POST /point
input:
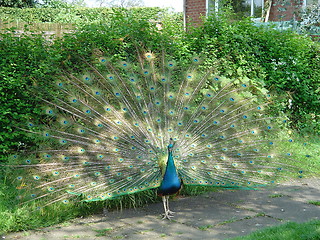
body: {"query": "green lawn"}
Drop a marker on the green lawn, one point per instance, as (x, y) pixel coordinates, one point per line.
(289, 231)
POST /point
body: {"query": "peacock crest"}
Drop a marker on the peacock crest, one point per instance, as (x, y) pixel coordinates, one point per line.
(116, 126)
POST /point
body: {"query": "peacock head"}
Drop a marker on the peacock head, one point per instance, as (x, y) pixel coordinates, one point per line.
(171, 145)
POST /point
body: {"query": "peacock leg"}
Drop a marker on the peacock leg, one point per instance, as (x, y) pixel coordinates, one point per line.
(166, 215)
(168, 210)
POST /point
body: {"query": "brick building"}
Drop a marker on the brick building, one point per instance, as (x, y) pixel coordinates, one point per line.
(272, 10)
(283, 10)
(194, 10)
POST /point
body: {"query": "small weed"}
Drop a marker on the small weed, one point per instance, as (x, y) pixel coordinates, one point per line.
(317, 203)
(275, 195)
(72, 237)
(163, 235)
(146, 230)
(205, 227)
(26, 234)
(66, 224)
(118, 237)
(228, 221)
(102, 232)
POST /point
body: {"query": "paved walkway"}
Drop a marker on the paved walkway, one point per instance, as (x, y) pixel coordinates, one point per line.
(215, 215)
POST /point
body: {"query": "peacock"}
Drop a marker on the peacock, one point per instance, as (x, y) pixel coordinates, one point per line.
(154, 122)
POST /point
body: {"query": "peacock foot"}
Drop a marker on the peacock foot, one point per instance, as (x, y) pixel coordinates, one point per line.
(170, 212)
(168, 215)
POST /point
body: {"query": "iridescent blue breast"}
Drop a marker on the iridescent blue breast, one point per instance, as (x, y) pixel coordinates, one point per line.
(171, 183)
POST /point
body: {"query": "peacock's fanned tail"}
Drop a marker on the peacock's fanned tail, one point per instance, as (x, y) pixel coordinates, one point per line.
(112, 123)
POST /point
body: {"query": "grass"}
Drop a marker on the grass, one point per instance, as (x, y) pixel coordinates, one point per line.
(205, 227)
(118, 237)
(289, 231)
(317, 203)
(103, 232)
(306, 151)
(15, 217)
(275, 195)
(22, 218)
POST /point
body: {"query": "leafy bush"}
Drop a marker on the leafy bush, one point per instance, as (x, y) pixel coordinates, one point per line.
(24, 61)
(18, 3)
(73, 15)
(29, 62)
(287, 63)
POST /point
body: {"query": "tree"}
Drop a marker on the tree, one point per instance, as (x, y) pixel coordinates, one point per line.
(121, 3)
(61, 3)
(18, 3)
(77, 3)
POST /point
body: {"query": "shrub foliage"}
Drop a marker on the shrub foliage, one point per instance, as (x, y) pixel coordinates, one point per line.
(288, 64)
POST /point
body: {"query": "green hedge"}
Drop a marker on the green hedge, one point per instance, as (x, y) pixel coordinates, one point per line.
(73, 15)
(286, 62)
(24, 62)
(29, 63)
(236, 49)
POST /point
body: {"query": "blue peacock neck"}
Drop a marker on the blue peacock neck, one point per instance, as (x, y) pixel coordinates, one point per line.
(171, 182)
(170, 161)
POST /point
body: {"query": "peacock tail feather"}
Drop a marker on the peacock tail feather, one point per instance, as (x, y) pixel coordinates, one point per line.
(111, 124)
